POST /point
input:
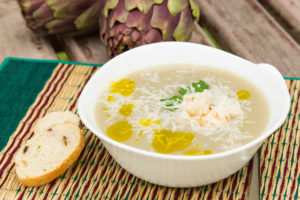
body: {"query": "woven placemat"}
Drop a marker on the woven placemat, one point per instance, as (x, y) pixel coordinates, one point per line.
(95, 175)
(280, 155)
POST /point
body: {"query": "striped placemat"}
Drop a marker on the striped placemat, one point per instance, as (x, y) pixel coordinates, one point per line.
(95, 175)
(280, 155)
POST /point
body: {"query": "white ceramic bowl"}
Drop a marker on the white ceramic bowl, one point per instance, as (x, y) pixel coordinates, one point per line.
(184, 171)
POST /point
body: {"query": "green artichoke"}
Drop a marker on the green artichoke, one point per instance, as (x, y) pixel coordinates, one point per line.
(73, 17)
(125, 24)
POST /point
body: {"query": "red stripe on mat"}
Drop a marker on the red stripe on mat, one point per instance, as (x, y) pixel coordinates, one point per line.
(126, 185)
(154, 192)
(177, 193)
(92, 72)
(191, 193)
(247, 179)
(263, 163)
(122, 173)
(7, 175)
(165, 193)
(33, 197)
(69, 74)
(21, 196)
(211, 191)
(144, 192)
(223, 187)
(234, 185)
(134, 189)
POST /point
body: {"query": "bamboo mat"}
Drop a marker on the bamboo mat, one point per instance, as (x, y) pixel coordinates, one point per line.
(95, 175)
(280, 155)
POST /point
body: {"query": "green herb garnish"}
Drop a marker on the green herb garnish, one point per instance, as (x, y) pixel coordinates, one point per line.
(199, 86)
(183, 91)
(172, 101)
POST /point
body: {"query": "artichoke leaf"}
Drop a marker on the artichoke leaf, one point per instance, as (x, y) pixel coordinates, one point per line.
(195, 9)
(110, 4)
(154, 35)
(60, 26)
(164, 21)
(184, 29)
(142, 5)
(176, 6)
(68, 8)
(89, 18)
(119, 14)
(139, 20)
(103, 24)
(30, 6)
(41, 15)
(72, 17)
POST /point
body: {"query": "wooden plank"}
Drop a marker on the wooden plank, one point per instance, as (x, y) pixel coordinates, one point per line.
(287, 13)
(246, 29)
(198, 36)
(16, 39)
(90, 49)
(85, 49)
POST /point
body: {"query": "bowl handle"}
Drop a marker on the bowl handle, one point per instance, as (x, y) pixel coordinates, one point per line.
(270, 68)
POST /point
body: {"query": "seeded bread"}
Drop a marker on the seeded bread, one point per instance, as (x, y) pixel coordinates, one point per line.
(49, 153)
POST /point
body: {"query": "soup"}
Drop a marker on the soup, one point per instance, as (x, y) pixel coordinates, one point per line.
(182, 110)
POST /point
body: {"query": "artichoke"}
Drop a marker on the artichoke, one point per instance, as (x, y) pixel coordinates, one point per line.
(125, 24)
(73, 17)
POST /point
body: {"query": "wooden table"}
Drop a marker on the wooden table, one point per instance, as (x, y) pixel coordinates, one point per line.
(262, 31)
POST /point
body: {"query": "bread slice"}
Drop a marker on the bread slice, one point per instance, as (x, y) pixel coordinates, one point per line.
(56, 118)
(49, 153)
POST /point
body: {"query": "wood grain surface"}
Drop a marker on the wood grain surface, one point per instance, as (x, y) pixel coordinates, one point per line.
(287, 13)
(246, 29)
(198, 36)
(85, 49)
(16, 39)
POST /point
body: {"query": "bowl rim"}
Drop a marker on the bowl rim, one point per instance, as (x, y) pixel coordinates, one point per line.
(239, 149)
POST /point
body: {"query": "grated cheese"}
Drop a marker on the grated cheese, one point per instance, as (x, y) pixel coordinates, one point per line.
(147, 105)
